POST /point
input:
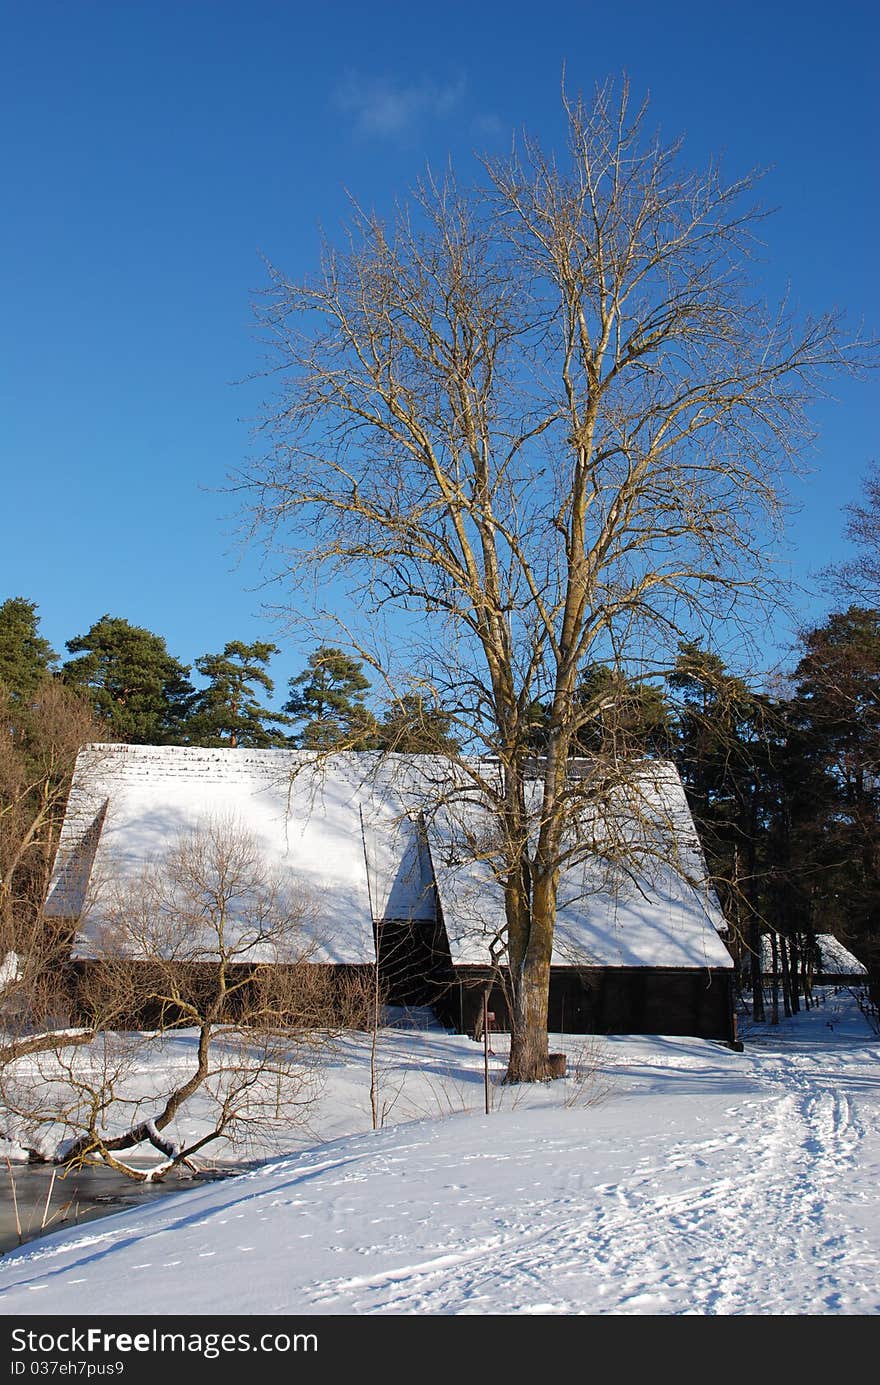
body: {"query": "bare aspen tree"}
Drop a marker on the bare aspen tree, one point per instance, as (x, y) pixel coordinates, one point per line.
(859, 577)
(204, 939)
(538, 423)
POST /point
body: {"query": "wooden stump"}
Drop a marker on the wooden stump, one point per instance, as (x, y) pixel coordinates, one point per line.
(556, 1064)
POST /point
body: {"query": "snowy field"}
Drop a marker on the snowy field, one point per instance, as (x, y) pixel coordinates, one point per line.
(676, 1177)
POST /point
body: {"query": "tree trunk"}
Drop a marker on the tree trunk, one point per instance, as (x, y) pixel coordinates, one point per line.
(808, 966)
(529, 1060)
(757, 979)
(530, 984)
(786, 978)
(795, 984)
(774, 980)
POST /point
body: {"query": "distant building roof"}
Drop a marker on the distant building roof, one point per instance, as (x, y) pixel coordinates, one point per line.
(387, 837)
(836, 959)
(833, 960)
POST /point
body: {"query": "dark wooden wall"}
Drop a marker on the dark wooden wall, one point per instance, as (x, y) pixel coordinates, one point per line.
(613, 1000)
(415, 966)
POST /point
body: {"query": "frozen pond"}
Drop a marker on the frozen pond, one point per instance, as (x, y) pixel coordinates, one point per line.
(76, 1197)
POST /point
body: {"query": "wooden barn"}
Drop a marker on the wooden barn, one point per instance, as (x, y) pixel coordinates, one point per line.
(398, 861)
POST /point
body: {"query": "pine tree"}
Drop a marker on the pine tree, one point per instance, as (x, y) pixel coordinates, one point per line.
(835, 798)
(329, 698)
(227, 712)
(25, 657)
(621, 716)
(722, 742)
(413, 725)
(140, 690)
(617, 716)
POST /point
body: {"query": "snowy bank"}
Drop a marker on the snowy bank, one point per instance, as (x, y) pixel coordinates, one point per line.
(702, 1181)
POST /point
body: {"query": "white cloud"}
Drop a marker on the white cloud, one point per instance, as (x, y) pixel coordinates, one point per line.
(489, 127)
(385, 109)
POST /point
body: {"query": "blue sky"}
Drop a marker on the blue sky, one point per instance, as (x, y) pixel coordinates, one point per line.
(152, 152)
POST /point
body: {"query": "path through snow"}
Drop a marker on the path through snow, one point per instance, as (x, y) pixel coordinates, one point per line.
(706, 1182)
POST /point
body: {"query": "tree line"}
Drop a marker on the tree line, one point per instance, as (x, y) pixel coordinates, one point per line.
(141, 694)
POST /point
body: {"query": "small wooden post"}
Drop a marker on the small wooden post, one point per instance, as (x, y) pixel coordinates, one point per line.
(486, 1049)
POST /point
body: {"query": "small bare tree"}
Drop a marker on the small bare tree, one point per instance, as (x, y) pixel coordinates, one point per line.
(543, 422)
(205, 1019)
(859, 577)
(40, 738)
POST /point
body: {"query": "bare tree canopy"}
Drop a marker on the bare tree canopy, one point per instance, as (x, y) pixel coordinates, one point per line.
(859, 576)
(541, 422)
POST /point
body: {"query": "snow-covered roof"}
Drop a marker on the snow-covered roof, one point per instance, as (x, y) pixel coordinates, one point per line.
(836, 959)
(653, 909)
(388, 837)
(307, 827)
(833, 960)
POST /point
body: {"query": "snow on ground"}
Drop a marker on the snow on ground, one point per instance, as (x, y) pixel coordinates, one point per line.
(678, 1178)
